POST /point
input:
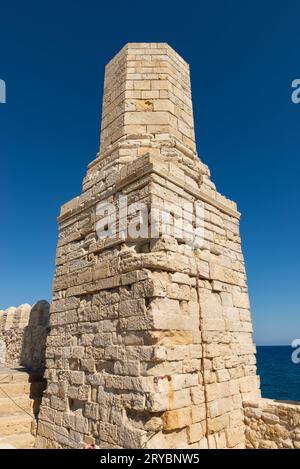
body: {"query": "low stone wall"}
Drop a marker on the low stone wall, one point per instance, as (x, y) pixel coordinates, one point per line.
(23, 333)
(272, 424)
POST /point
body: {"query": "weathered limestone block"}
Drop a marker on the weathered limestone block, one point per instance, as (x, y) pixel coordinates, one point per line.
(151, 339)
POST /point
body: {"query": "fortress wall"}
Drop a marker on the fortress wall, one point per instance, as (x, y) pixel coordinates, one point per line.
(13, 322)
(271, 424)
(23, 332)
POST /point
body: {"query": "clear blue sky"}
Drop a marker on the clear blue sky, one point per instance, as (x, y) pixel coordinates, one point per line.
(243, 55)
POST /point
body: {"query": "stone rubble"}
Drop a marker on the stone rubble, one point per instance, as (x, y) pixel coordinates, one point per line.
(272, 424)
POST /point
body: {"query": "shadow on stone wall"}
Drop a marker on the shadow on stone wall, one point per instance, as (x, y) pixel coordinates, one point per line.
(23, 336)
(32, 355)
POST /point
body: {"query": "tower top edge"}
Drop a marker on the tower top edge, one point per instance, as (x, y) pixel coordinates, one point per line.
(148, 48)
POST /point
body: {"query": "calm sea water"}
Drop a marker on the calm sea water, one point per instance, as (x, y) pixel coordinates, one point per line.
(280, 377)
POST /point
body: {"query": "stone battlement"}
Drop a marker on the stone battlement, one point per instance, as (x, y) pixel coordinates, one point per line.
(14, 317)
(23, 332)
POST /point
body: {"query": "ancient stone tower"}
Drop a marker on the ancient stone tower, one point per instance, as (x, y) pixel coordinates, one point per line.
(151, 335)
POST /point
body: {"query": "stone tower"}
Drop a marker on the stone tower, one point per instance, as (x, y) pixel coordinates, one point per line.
(151, 335)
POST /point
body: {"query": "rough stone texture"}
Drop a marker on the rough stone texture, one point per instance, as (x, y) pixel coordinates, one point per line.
(272, 424)
(23, 332)
(2, 352)
(151, 338)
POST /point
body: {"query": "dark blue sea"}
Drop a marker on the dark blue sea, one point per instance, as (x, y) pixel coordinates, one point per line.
(280, 377)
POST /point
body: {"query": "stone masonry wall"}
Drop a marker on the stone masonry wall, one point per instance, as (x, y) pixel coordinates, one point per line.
(23, 332)
(12, 324)
(272, 424)
(151, 337)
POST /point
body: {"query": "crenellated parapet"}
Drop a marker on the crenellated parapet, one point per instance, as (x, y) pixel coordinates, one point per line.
(23, 332)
